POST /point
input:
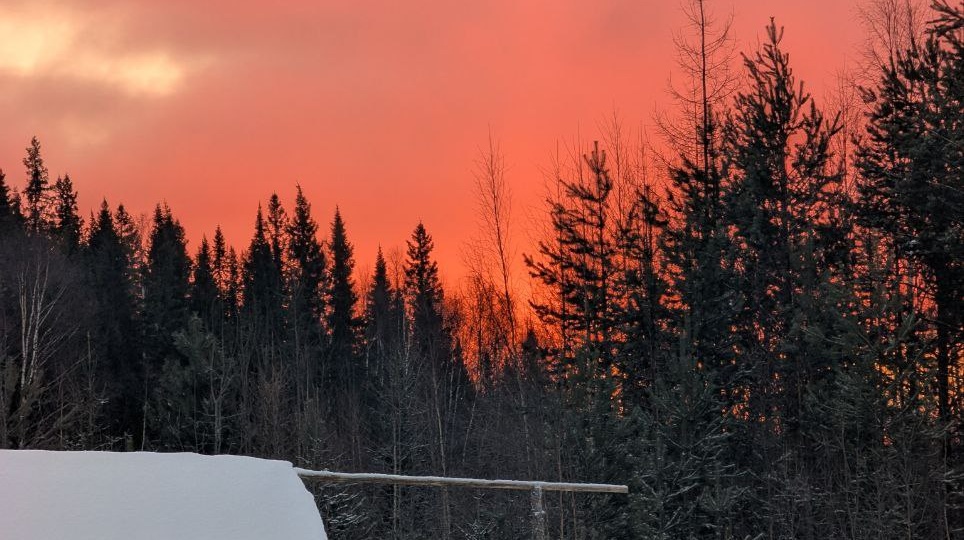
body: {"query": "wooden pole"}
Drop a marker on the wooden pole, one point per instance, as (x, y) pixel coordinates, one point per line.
(538, 515)
(535, 489)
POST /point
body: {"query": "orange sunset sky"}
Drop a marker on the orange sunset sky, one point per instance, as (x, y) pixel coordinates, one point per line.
(379, 106)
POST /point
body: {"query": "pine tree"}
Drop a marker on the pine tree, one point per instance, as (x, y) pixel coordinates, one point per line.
(381, 323)
(219, 253)
(262, 287)
(640, 317)
(130, 235)
(425, 298)
(911, 188)
(68, 223)
(578, 266)
(306, 309)
(389, 385)
(197, 396)
(277, 224)
(221, 256)
(781, 204)
(7, 217)
(790, 249)
(690, 447)
(117, 337)
(445, 383)
(234, 284)
(343, 323)
(37, 193)
(912, 173)
(204, 289)
(166, 284)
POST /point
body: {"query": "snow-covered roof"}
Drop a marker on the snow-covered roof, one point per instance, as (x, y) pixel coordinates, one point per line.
(142, 495)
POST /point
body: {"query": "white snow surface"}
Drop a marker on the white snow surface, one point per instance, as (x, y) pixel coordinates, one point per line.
(148, 496)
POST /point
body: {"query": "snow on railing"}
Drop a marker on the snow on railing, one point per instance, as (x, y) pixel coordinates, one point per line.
(535, 487)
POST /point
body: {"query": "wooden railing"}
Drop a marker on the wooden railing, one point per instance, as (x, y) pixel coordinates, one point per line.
(536, 488)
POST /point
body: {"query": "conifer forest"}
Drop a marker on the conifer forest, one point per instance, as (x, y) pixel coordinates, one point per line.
(753, 318)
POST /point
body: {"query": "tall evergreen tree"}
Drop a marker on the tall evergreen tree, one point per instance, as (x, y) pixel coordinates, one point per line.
(578, 267)
(10, 217)
(911, 188)
(343, 323)
(277, 225)
(445, 383)
(602, 302)
(382, 323)
(782, 203)
(204, 289)
(306, 309)
(308, 261)
(219, 252)
(262, 286)
(131, 238)
(37, 193)
(221, 268)
(6, 207)
(689, 421)
(790, 250)
(425, 299)
(166, 284)
(68, 223)
(117, 338)
(234, 283)
(389, 384)
(912, 181)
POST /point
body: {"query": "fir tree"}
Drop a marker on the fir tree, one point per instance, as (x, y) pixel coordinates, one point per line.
(781, 203)
(381, 323)
(262, 286)
(445, 383)
(790, 249)
(166, 284)
(234, 284)
(912, 165)
(640, 316)
(130, 236)
(699, 251)
(912, 195)
(306, 310)
(343, 324)
(389, 388)
(691, 432)
(204, 289)
(68, 223)
(307, 260)
(116, 333)
(578, 268)
(277, 224)
(6, 208)
(425, 297)
(10, 217)
(221, 272)
(219, 252)
(37, 193)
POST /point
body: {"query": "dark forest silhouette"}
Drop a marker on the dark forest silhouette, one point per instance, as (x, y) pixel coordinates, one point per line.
(767, 346)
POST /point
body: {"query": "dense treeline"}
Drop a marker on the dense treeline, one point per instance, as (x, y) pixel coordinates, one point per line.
(767, 346)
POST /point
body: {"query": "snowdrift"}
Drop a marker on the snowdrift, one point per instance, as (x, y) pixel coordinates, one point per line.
(143, 495)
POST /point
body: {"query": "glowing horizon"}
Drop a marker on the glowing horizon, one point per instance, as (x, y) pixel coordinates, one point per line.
(376, 107)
